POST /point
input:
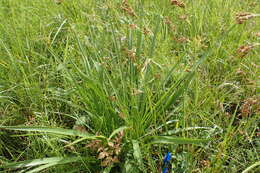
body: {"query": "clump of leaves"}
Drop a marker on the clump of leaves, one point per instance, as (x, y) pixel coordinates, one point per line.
(109, 151)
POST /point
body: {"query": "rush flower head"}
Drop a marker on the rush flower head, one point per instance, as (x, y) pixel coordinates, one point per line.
(244, 16)
(245, 49)
(127, 8)
(178, 3)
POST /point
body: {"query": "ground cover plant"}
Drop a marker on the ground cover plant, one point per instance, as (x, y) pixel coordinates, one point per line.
(129, 86)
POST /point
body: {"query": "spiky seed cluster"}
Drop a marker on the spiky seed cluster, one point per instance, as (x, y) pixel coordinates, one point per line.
(127, 8)
(250, 106)
(178, 3)
(169, 23)
(244, 50)
(242, 17)
(130, 54)
(108, 152)
(146, 31)
(182, 39)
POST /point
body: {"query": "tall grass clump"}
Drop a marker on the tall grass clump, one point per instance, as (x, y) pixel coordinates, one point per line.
(112, 86)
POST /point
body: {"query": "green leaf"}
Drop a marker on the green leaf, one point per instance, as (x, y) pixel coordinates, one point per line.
(117, 131)
(76, 141)
(251, 167)
(176, 140)
(108, 169)
(59, 131)
(42, 167)
(37, 162)
(137, 153)
(129, 168)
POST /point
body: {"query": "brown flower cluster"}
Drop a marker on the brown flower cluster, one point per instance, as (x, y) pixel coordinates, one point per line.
(242, 17)
(108, 152)
(244, 50)
(130, 54)
(136, 92)
(181, 39)
(205, 163)
(183, 17)
(168, 22)
(178, 3)
(127, 8)
(250, 106)
(146, 31)
(133, 26)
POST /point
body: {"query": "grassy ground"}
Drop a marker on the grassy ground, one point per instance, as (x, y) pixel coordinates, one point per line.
(112, 86)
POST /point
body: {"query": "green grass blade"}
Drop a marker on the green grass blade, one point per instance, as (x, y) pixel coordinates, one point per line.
(37, 162)
(76, 141)
(41, 163)
(156, 31)
(42, 167)
(108, 169)
(58, 31)
(177, 140)
(59, 131)
(117, 131)
(62, 161)
(137, 153)
(251, 167)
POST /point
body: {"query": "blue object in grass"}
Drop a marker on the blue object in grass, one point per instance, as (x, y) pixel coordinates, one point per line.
(165, 170)
(167, 158)
(166, 162)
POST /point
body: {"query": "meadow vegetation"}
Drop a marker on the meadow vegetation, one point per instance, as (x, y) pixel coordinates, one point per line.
(113, 85)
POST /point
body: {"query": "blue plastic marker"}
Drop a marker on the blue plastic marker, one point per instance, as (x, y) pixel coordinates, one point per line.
(166, 162)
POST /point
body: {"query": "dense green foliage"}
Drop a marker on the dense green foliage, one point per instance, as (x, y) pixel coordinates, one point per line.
(113, 85)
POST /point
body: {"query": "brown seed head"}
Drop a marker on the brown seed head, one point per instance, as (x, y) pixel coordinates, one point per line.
(146, 31)
(244, 50)
(132, 26)
(183, 17)
(242, 17)
(127, 8)
(178, 3)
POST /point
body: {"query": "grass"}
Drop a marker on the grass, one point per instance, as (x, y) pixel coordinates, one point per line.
(112, 86)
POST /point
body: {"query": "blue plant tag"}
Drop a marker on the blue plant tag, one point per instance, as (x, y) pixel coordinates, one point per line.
(166, 162)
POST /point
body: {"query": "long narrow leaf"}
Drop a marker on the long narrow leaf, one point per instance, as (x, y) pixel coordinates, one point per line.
(137, 153)
(59, 131)
(117, 131)
(42, 167)
(251, 167)
(176, 140)
(37, 162)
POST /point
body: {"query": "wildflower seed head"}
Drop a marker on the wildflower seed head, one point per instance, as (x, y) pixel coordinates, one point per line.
(178, 3)
(243, 17)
